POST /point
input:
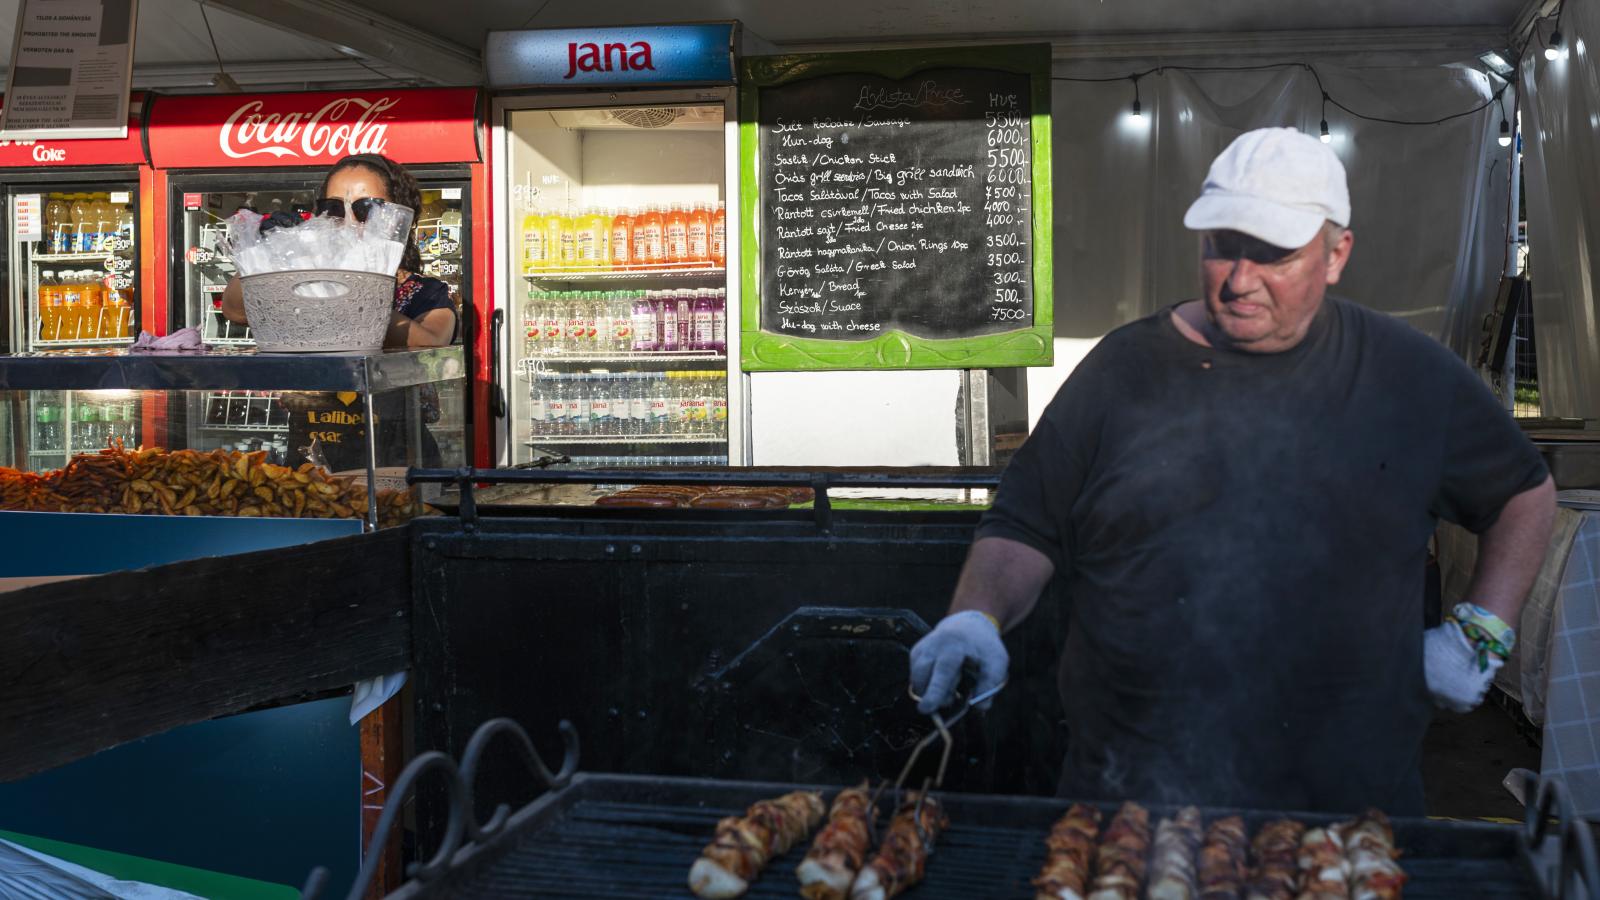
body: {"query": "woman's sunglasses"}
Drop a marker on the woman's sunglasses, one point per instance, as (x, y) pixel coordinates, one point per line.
(333, 206)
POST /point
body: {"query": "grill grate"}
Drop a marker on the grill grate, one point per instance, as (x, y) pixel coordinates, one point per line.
(604, 849)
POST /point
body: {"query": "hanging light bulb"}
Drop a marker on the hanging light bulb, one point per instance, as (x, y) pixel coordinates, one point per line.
(1552, 50)
(1505, 133)
(1326, 137)
(1138, 113)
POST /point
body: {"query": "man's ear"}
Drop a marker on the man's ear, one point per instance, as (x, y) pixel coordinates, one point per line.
(1339, 255)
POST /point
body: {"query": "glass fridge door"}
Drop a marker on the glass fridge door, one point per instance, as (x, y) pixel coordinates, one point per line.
(617, 308)
(252, 420)
(74, 265)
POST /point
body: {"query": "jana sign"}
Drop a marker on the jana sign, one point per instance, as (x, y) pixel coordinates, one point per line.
(314, 128)
(577, 57)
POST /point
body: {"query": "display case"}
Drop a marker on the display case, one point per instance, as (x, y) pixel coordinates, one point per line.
(324, 435)
(617, 259)
(74, 264)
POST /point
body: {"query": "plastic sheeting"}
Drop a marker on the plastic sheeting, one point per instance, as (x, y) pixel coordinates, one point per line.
(1561, 125)
(1429, 202)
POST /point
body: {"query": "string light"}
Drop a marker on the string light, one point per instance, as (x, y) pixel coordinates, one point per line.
(1326, 137)
(1137, 113)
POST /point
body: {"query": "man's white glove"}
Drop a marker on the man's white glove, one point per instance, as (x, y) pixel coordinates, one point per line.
(1457, 679)
(937, 659)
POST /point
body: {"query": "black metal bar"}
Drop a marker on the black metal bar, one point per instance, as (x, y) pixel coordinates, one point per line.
(819, 481)
(467, 505)
(821, 505)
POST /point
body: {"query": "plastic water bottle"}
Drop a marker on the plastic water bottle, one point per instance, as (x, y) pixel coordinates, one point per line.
(602, 421)
(533, 324)
(660, 404)
(704, 312)
(644, 324)
(539, 409)
(667, 323)
(579, 405)
(638, 404)
(620, 307)
(719, 321)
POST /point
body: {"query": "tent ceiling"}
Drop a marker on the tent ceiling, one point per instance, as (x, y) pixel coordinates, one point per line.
(854, 20)
(293, 47)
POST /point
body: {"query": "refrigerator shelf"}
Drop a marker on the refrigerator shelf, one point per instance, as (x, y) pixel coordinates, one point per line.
(96, 256)
(532, 362)
(280, 427)
(605, 276)
(544, 440)
(83, 342)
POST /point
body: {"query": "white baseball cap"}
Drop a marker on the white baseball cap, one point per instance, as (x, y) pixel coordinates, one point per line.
(1275, 184)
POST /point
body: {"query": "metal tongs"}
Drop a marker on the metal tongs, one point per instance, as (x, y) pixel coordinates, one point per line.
(943, 720)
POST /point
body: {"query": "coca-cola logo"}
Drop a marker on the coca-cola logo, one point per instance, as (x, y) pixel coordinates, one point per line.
(330, 131)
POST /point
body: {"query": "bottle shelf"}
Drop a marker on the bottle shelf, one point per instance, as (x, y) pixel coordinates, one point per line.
(563, 439)
(83, 342)
(532, 362)
(626, 276)
(92, 256)
(280, 427)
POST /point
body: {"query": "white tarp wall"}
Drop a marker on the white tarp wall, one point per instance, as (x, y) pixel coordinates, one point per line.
(1429, 212)
(1429, 201)
(1561, 121)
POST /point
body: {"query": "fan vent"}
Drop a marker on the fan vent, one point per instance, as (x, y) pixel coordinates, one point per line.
(654, 117)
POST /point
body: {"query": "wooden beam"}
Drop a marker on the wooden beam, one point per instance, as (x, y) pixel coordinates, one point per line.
(88, 664)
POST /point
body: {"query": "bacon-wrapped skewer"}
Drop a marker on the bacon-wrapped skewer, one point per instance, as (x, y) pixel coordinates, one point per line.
(743, 845)
(1369, 848)
(1172, 863)
(903, 857)
(1120, 862)
(1276, 875)
(1069, 854)
(1223, 854)
(1222, 859)
(840, 848)
(1324, 871)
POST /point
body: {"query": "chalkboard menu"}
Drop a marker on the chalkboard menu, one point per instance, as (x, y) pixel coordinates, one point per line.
(893, 210)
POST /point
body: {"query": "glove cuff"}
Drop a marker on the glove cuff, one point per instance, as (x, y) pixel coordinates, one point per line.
(986, 617)
(1485, 631)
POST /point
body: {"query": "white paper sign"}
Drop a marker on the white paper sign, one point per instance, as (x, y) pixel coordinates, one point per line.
(28, 217)
(71, 64)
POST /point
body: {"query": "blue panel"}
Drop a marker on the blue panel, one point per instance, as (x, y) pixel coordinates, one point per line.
(90, 543)
(264, 795)
(585, 57)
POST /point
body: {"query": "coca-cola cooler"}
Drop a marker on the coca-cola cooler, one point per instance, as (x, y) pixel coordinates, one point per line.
(72, 256)
(270, 152)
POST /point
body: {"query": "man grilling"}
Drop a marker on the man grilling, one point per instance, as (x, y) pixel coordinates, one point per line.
(1237, 494)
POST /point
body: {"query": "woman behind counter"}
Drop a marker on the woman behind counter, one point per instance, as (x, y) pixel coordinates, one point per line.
(424, 316)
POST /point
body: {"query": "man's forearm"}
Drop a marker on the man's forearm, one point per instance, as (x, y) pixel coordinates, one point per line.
(1003, 578)
(1511, 551)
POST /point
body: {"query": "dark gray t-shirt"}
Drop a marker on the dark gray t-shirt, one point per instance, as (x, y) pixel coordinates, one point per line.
(1242, 538)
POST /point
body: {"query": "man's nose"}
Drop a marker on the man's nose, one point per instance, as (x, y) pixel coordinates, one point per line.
(1243, 277)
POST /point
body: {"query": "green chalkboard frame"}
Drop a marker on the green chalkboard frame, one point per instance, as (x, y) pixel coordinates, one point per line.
(764, 351)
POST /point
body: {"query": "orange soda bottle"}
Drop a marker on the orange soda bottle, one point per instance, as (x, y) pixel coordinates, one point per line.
(719, 236)
(49, 306)
(699, 235)
(655, 237)
(69, 310)
(91, 315)
(677, 222)
(621, 239)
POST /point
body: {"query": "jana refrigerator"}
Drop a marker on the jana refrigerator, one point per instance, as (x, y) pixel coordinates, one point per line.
(72, 258)
(612, 251)
(270, 153)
